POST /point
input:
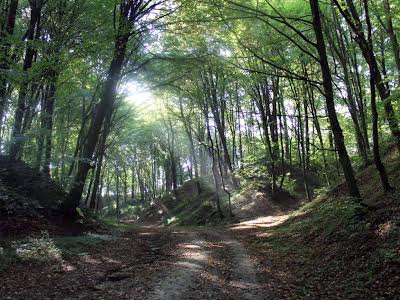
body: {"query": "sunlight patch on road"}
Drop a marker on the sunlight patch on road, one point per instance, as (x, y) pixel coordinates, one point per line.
(263, 222)
(146, 233)
(244, 285)
(66, 267)
(190, 246)
(177, 281)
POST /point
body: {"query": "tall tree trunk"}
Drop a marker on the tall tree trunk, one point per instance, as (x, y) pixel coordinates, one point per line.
(330, 103)
(125, 184)
(5, 49)
(172, 157)
(99, 198)
(214, 167)
(100, 157)
(218, 110)
(360, 100)
(375, 134)
(341, 50)
(33, 33)
(49, 110)
(41, 134)
(89, 189)
(262, 101)
(188, 130)
(94, 195)
(118, 209)
(319, 133)
(105, 107)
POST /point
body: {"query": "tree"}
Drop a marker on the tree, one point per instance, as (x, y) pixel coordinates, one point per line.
(130, 13)
(330, 104)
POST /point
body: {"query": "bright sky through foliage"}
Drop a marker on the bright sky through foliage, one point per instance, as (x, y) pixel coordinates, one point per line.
(139, 96)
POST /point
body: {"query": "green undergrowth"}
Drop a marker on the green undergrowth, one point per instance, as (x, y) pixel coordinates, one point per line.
(116, 227)
(333, 238)
(128, 211)
(332, 217)
(191, 211)
(325, 219)
(46, 249)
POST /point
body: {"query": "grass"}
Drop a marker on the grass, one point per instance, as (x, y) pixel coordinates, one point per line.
(116, 227)
(47, 249)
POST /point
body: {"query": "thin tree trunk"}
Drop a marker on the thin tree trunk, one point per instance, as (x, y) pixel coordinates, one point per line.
(392, 35)
(375, 134)
(49, 109)
(5, 49)
(94, 196)
(33, 33)
(118, 209)
(353, 19)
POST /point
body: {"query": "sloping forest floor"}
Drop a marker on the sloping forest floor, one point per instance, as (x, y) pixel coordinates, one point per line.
(326, 249)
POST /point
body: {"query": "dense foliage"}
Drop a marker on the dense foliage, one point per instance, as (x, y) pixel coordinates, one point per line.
(234, 84)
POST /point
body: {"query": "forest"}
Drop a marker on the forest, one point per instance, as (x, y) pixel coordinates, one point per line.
(199, 149)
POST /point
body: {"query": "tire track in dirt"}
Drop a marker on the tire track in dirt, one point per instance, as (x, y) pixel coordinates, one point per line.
(173, 284)
(243, 270)
(213, 265)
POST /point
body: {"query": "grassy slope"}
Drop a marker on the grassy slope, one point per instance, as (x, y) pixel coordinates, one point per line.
(185, 206)
(45, 247)
(327, 250)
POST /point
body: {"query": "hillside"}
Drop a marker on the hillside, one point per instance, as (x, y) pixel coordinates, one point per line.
(185, 206)
(29, 200)
(332, 247)
(30, 203)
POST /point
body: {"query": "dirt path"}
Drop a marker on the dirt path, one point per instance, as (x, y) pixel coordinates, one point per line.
(213, 265)
(147, 263)
(175, 282)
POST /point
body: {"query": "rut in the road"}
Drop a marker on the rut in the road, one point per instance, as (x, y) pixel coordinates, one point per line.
(244, 278)
(183, 281)
(174, 284)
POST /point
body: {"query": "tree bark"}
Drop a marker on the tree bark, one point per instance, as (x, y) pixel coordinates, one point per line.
(375, 135)
(49, 110)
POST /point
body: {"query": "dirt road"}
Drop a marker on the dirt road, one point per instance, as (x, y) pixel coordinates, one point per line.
(146, 263)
